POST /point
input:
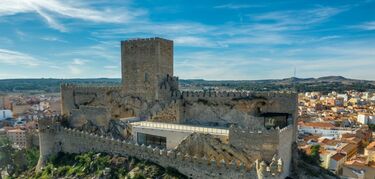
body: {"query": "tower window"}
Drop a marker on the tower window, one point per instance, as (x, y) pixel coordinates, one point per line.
(146, 77)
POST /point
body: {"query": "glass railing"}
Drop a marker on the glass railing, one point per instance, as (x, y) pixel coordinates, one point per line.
(182, 127)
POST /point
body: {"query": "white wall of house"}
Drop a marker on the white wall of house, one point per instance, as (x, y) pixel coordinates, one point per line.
(5, 114)
(335, 166)
(324, 132)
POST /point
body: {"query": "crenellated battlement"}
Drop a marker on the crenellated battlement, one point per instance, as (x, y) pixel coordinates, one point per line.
(169, 83)
(234, 95)
(135, 40)
(196, 167)
(90, 87)
(49, 122)
(272, 170)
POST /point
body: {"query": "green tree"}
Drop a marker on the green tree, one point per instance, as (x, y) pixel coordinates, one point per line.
(315, 153)
(6, 152)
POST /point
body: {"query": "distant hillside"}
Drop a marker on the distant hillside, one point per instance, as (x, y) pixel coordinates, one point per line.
(49, 84)
(323, 84)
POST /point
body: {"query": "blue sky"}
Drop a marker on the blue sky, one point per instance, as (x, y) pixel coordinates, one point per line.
(215, 40)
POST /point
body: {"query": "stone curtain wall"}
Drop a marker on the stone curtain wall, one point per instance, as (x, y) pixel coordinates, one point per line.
(187, 107)
(54, 138)
(170, 113)
(259, 143)
(226, 108)
(285, 148)
(73, 96)
(73, 141)
(276, 100)
(98, 116)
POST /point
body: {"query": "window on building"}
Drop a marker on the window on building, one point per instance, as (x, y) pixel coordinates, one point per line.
(146, 77)
(273, 120)
(153, 140)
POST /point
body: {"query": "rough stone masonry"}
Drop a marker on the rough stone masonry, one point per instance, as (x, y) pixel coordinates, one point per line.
(262, 125)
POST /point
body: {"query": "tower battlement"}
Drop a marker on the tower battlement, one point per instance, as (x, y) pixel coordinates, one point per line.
(132, 40)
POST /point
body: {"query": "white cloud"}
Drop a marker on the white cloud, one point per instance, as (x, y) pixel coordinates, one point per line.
(293, 19)
(75, 70)
(193, 41)
(17, 58)
(77, 61)
(51, 10)
(355, 59)
(101, 51)
(367, 26)
(156, 29)
(267, 29)
(237, 6)
(53, 39)
(111, 67)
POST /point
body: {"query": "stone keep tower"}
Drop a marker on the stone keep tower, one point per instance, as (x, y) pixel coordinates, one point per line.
(145, 64)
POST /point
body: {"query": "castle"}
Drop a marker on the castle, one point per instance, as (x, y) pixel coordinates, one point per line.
(201, 134)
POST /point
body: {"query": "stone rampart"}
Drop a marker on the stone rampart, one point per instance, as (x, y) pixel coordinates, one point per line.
(259, 142)
(96, 115)
(218, 95)
(285, 148)
(55, 138)
(74, 141)
(72, 96)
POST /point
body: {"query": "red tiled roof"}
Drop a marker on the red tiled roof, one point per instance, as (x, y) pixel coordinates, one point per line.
(319, 124)
(330, 142)
(371, 146)
(348, 148)
(338, 156)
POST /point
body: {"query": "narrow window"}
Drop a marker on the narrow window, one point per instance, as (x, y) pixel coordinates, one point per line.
(146, 77)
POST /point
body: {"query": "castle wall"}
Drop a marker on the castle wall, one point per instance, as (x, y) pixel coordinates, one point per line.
(261, 143)
(48, 141)
(285, 149)
(226, 108)
(74, 96)
(73, 141)
(275, 101)
(171, 113)
(98, 116)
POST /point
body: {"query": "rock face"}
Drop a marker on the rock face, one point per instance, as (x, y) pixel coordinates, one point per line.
(219, 115)
(201, 145)
(116, 129)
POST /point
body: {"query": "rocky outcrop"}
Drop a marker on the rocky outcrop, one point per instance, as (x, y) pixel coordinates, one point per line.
(206, 145)
(116, 129)
(219, 115)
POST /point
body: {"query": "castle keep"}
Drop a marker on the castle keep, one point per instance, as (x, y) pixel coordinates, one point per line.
(201, 134)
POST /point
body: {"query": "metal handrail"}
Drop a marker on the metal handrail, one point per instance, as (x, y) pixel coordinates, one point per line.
(182, 127)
